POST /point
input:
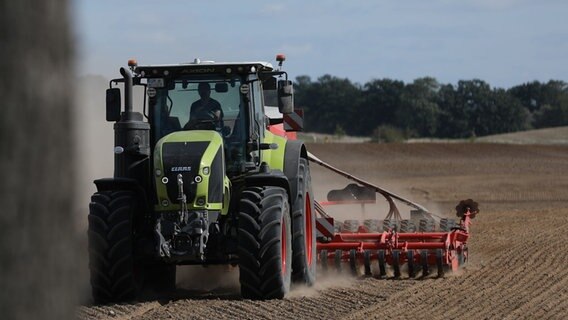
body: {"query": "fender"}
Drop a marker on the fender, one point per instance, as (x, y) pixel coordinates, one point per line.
(273, 178)
(295, 149)
(117, 184)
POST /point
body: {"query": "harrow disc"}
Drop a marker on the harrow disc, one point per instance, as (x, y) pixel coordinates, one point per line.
(410, 263)
(465, 206)
(353, 262)
(367, 263)
(382, 263)
(396, 263)
(440, 262)
(424, 262)
(338, 255)
(323, 260)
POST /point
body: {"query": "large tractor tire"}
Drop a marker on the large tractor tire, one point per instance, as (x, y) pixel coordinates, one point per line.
(111, 258)
(265, 246)
(304, 229)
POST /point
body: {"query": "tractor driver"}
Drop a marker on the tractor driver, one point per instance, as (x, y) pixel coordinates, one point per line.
(205, 108)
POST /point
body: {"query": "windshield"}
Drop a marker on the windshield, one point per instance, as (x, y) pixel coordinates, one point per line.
(197, 103)
(203, 103)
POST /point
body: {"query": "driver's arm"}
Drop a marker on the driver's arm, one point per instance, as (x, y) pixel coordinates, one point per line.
(217, 111)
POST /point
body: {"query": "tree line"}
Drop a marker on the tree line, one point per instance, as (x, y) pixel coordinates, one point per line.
(391, 109)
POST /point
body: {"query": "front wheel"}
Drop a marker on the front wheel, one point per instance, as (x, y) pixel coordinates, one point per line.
(111, 258)
(265, 249)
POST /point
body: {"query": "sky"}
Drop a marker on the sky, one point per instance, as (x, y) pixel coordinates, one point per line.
(503, 42)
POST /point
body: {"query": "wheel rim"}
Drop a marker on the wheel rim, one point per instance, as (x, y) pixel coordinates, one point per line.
(283, 247)
(309, 233)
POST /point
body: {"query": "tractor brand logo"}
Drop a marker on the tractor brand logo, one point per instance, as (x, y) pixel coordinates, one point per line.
(181, 169)
(199, 70)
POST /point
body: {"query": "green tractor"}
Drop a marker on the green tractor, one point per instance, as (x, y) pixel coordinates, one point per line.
(200, 179)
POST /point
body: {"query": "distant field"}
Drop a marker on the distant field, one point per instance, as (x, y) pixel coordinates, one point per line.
(548, 136)
(557, 135)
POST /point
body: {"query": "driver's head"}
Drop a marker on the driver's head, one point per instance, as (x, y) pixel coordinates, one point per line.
(204, 90)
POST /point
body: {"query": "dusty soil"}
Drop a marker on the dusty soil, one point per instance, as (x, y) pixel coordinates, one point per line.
(517, 267)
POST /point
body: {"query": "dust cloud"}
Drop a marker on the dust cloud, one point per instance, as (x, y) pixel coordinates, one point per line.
(324, 281)
(218, 279)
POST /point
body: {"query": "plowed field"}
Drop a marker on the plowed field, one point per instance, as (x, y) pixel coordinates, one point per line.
(518, 259)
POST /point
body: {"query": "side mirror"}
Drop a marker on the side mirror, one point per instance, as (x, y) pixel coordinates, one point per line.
(113, 104)
(285, 97)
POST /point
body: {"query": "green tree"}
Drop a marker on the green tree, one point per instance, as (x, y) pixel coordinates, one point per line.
(552, 115)
(474, 109)
(330, 101)
(380, 100)
(418, 112)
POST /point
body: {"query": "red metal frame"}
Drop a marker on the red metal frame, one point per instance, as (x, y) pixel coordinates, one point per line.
(451, 243)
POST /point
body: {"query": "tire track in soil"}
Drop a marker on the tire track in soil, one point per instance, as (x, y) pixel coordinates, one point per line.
(325, 304)
(115, 311)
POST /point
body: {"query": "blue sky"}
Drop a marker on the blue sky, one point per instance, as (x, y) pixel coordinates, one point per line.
(504, 42)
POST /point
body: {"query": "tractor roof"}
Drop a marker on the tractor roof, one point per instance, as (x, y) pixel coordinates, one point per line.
(203, 67)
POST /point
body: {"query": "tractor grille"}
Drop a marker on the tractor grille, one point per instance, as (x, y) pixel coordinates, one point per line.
(182, 158)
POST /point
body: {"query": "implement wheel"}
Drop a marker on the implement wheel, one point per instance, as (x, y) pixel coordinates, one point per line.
(264, 243)
(111, 256)
(304, 229)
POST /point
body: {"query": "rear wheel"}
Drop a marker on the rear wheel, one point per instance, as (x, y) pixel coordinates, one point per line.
(265, 249)
(111, 258)
(304, 228)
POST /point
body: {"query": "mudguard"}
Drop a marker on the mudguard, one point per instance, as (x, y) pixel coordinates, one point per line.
(295, 149)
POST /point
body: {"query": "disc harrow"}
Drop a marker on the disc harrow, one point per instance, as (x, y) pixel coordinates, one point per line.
(423, 245)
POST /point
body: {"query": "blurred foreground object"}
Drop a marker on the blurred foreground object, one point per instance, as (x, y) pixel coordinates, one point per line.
(37, 248)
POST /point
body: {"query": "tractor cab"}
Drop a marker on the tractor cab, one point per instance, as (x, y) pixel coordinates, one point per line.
(204, 95)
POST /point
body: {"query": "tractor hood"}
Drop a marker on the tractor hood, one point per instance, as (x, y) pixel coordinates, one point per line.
(197, 157)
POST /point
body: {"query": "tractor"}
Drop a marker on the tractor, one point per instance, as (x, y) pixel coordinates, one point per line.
(199, 179)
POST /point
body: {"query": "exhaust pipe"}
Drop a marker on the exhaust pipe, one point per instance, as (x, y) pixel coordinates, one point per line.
(131, 137)
(127, 75)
